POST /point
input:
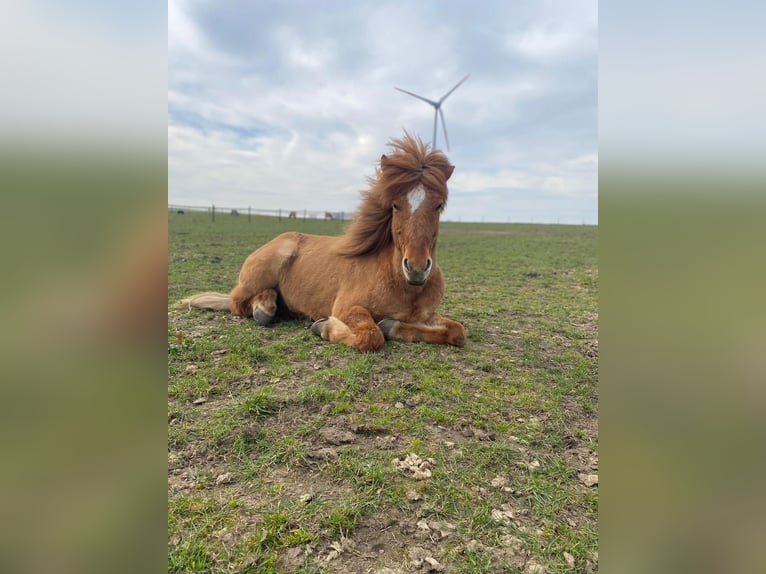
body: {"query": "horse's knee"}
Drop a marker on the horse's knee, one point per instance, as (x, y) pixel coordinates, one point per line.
(369, 340)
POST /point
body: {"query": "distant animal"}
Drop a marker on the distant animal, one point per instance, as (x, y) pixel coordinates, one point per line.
(378, 281)
(234, 212)
(328, 215)
(180, 212)
(292, 215)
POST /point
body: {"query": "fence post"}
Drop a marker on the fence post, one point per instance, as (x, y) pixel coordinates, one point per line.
(214, 213)
(248, 214)
(280, 214)
(304, 215)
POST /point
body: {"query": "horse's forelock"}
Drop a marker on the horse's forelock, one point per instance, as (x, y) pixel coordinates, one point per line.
(412, 163)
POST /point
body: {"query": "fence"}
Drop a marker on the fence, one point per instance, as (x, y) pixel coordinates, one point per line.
(218, 210)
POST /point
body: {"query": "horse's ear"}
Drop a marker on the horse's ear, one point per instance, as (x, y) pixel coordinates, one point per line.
(383, 160)
(449, 170)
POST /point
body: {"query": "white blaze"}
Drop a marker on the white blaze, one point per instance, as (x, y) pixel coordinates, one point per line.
(416, 197)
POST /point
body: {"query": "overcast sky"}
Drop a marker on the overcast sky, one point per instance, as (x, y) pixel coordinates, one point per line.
(287, 104)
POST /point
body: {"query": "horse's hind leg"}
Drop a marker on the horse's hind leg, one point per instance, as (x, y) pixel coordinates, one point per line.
(262, 305)
(354, 327)
(259, 277)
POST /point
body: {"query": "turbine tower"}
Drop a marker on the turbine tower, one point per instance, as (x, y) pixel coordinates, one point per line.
(437, 109)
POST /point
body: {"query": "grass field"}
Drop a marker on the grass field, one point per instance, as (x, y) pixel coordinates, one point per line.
(290, 454)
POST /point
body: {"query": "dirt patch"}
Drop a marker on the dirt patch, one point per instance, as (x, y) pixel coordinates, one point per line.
(336, 436)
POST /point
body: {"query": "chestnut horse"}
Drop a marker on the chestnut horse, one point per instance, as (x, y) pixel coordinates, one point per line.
(378, 281)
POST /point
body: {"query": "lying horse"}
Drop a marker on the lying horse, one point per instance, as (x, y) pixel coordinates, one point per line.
(378, 281)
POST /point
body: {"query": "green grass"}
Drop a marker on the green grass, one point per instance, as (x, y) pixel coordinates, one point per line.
(252, 401)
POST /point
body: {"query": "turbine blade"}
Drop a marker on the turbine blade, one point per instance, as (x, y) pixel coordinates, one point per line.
(434, 104)
(444, 97)
(436, 113)
(444, 127)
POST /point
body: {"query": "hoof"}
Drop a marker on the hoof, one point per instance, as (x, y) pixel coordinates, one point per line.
(386, 325)
(261, 317)
(317, 327)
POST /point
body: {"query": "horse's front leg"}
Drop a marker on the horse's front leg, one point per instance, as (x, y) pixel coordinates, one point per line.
(437, 329)
(354, 327)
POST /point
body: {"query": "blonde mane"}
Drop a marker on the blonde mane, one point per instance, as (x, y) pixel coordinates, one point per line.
(411, 163)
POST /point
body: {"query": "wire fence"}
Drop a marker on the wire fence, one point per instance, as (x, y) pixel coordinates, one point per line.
(222, 211)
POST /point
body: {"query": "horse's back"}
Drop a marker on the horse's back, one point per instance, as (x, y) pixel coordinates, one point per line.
(288, 246)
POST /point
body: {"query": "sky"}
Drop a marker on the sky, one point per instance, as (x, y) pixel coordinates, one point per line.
(289, 105)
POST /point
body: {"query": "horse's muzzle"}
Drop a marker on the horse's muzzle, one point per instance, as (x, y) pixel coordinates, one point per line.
(414, 275)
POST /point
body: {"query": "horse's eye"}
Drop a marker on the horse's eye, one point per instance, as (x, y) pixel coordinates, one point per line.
(396, 207)
(440, 207)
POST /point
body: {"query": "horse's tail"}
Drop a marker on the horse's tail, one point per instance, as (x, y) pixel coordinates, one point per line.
(207, 300)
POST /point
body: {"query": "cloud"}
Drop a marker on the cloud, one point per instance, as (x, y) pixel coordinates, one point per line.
(542, 43)
(570, 178)
(289, 105)
(266, 171)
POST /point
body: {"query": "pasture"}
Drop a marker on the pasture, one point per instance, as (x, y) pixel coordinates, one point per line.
(287, 453)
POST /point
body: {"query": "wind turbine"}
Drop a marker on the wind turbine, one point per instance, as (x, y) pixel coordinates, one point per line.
(437, 109)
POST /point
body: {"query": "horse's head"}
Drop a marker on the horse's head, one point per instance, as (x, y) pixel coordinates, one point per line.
(402, 208)
(415, 229)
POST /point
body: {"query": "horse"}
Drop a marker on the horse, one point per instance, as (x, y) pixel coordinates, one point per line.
(292, 215)
(234, 212)
(378, 281)
(328, 216)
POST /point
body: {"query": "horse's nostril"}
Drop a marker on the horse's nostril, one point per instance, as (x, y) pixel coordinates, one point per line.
(428, 264)
(406, 264)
